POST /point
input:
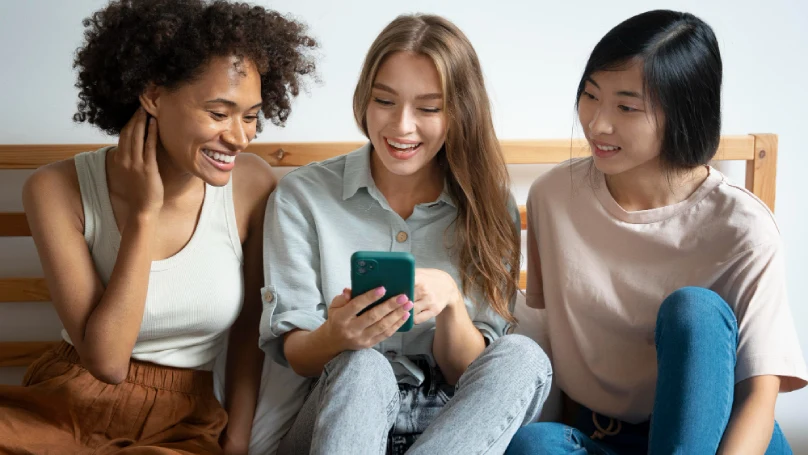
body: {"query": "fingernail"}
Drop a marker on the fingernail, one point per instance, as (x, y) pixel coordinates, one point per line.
(380, 291)
(402, 299)
(406, 316)
(408, 306)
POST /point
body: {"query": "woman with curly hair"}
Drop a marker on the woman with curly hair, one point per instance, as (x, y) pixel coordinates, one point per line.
(152, 248)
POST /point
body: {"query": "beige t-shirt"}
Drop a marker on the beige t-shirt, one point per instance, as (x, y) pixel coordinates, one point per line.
(604, 273)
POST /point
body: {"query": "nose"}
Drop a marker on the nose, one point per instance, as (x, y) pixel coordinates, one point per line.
(236, 135)
(600, 123)
(405, 120)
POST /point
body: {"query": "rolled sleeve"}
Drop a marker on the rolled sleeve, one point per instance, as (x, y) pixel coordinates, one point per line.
(291, 294)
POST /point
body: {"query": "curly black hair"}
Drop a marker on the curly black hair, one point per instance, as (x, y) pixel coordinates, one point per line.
(132, 43)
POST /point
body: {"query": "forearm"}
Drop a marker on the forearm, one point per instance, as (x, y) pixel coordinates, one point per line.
(245, 362)
(752, 420)
(113, 325)
(750, 427)
(457, 341)
(309, 352)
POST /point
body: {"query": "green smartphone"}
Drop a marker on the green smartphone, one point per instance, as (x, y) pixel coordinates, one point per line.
(393, 270)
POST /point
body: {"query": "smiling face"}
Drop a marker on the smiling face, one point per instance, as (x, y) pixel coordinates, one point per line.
(206, 123)
(405, 118)
(622, 130)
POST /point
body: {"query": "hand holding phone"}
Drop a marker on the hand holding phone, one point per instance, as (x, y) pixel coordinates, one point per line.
(395, 271)
(351, 332)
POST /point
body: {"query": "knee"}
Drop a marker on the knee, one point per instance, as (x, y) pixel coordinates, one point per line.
(692, 310)
(543, 438)
(362, 367)
(520, 354)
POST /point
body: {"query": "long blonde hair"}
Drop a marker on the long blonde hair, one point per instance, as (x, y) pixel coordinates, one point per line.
(486, 240)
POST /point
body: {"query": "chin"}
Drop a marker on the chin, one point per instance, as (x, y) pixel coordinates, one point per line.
(610, 166)
(217, 180)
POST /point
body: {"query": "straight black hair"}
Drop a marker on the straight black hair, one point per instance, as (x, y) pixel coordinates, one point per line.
(682, 74)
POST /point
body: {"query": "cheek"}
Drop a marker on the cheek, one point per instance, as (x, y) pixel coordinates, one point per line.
(374, 120)
(436, 128)
(648, 136)
(584, 116)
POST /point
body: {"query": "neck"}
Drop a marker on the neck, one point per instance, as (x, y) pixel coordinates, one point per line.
(403, 193)
(177, 182)
(648, 187)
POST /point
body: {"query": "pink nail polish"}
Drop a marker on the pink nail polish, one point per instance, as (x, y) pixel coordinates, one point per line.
(409, 306)
(402, 299)
(380, 291)
(406, 316)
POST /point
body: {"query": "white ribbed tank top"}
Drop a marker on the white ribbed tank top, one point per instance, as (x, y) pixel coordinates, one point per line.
(194, 296)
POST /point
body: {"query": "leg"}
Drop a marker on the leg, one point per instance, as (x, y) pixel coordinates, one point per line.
(32, 422)
(40, 416)
(778, 444)
(696, 342)
(350, 410)
(551, 438)
(502, 390)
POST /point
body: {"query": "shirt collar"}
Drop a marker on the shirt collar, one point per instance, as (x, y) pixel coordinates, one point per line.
(357, 175)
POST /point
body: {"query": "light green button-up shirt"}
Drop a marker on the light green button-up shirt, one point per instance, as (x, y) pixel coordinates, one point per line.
(322, 213)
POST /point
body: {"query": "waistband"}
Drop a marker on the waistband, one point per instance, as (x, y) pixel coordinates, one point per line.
(183, 380)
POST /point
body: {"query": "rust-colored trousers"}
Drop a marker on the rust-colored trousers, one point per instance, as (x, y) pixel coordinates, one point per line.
(63, 409)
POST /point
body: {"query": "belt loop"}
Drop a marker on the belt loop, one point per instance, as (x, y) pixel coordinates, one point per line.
(432, 378)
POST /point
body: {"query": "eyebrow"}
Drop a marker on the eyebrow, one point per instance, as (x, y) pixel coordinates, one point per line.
(426, 96)
(229, 103)
(619, 93)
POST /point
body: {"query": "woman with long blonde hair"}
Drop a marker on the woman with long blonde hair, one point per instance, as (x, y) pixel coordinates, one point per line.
(431, 181)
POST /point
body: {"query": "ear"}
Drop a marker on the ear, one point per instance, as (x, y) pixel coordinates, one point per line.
(150, 99)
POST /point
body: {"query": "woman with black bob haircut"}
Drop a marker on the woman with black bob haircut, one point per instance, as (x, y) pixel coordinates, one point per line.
(663, 282)
(152, 248)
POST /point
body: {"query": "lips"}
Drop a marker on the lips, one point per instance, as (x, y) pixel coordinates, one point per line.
(402, 149)
(604, 150)
(222, 161)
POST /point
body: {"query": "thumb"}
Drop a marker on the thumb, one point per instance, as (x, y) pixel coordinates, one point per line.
(342, 299)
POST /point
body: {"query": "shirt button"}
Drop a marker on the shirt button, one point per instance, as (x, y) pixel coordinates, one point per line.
(268, 297)
(401, 237)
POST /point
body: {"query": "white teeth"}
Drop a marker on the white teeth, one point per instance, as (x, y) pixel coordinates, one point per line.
(221, 157)
(607, 148)
(402, 146)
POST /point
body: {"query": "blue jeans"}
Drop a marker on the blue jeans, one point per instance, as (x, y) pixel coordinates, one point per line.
(357, 402)
(696, 343)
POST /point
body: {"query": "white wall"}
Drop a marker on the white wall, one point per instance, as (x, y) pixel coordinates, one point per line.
(532, 54)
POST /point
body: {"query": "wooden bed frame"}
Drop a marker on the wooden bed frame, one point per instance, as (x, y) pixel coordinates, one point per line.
(758, 150)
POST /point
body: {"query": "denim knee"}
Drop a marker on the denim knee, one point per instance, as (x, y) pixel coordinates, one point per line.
(692, 311)
(543, 438)
(363, 367)
(518, 353)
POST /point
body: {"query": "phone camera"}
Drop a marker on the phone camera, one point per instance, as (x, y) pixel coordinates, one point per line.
(361, 263)
(361, 270)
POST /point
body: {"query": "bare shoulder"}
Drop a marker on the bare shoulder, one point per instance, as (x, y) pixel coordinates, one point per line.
(53, 189)
(253, 180)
